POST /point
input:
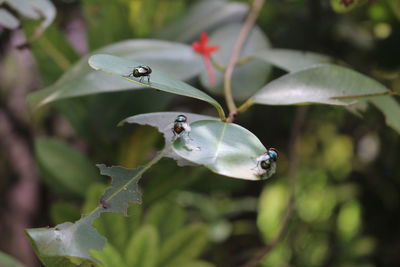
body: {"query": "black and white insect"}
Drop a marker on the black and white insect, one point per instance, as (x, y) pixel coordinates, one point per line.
(141, 71)
(266, 163)
(181, 126)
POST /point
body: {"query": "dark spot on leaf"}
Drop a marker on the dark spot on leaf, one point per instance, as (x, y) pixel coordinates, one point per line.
(104, 204)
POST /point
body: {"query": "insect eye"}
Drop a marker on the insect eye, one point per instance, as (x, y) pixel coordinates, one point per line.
(265, 164)
(273, 153)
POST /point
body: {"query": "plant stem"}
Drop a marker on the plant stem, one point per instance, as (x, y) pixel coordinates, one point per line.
(246, 105)
(244, 32)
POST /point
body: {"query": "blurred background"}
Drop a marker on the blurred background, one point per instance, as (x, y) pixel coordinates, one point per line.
(347, 210)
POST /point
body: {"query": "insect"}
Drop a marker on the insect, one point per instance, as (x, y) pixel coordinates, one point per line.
(180, 126)
(267, 162)
(141, 71)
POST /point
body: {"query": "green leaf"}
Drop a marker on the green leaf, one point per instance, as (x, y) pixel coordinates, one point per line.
(82, 80)
(8, 20)
(317, 84)
(122, 67)
(271, 209)
(64, 169)
(247, 77)
(292, 60)
(390, 109)
(74, 240)
(143, 249)
(167, 217)
(225, 148)
(8, 261)
(164, 121)
(185, 245)
(189, 27)
(109, 257)
(107, 24)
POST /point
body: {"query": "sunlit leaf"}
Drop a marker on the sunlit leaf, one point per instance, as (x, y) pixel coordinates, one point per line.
(225, 148)
(247, 77)
(317, 84)
(161, 81)
(292, 60)
(82, 80)
(217, 12)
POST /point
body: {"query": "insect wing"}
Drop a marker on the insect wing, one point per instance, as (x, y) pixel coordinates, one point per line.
(186, 127)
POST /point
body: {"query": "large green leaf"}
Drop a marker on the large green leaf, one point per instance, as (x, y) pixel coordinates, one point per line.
(161, 81)
(225, 148)
(317, 84)
(216, 12)
(72, 241)
(248, 77)
(64, 168)
(82, 80)
(164, 121)
(292, 60)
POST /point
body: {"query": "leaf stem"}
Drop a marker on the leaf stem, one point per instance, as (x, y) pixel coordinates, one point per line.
(246, 105)
(244, 32)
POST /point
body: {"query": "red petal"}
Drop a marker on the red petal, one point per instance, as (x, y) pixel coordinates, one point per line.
(204, 38)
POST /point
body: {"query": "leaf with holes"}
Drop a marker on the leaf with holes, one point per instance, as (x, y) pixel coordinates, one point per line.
(72, 241)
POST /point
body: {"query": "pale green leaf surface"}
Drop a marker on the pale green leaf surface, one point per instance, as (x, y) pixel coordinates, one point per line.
(8, 261)
(143, 248)
(8, 20)
(247, 78)
(292, 60)
(122, 67)
(82, 80)
(225, 148)
(64, 169)
(317, 84)
(164, 121)
(192, 263)
(390, 108)
(184, 245)
(76, 239)
(216, 12)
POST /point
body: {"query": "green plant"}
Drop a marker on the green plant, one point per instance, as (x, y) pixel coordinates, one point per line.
(214, 142)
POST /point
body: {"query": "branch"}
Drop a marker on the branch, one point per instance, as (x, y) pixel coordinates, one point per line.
(244, 32)
(292, 175)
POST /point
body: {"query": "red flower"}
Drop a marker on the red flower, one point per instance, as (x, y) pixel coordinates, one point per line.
(202, 48)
